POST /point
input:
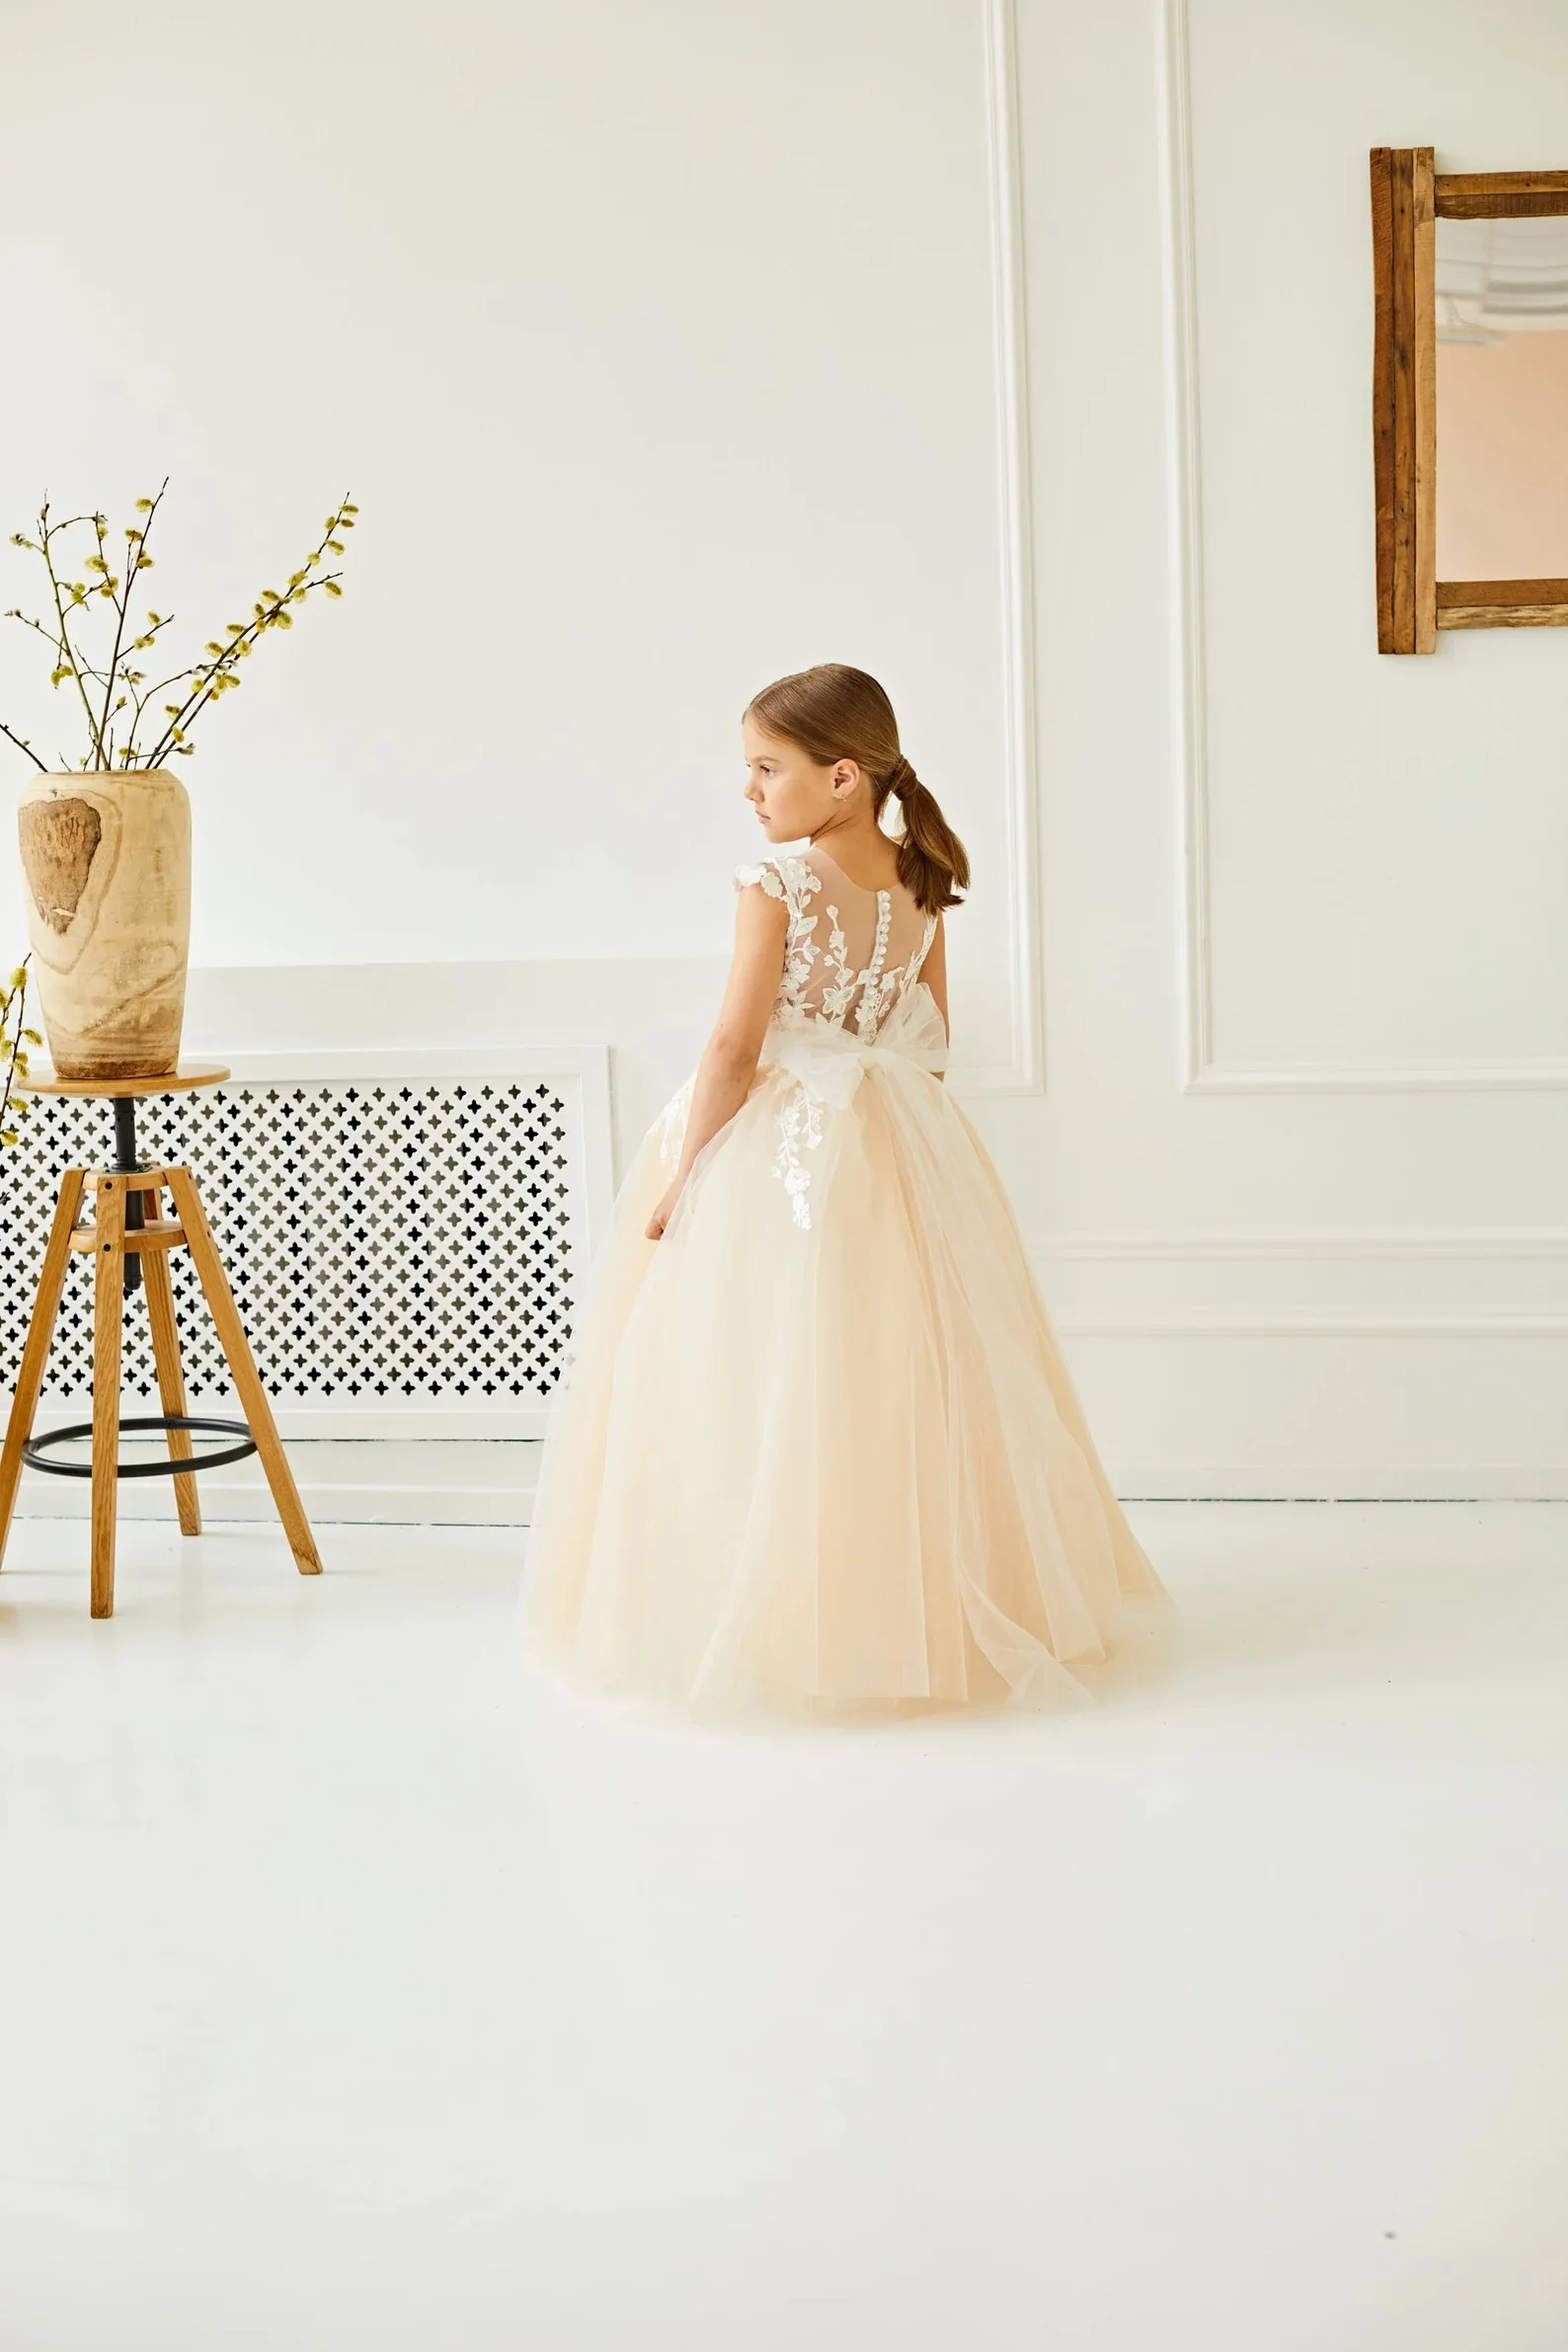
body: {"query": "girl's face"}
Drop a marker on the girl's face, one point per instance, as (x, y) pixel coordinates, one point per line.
(792, 796)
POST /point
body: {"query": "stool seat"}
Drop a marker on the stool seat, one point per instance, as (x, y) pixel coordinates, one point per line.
(178, 1081)
(128, 1238)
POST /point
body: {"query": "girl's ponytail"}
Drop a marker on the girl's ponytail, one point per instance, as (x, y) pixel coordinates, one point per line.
(933, 864)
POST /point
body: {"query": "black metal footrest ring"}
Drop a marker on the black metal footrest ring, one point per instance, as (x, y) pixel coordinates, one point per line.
(34, 1451)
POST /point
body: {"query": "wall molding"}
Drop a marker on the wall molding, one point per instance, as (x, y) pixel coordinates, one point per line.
(1441, 1242)
(1198, 1070)
(1223, 1323)
(1188, 681)
(1546, 1075)
(1341, 1482)
(1533, 1308)
(1024, 1073)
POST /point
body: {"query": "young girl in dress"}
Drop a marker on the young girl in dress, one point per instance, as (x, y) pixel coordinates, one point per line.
(817, 1450)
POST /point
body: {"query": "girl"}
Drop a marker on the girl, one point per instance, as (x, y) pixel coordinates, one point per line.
(818, 1451)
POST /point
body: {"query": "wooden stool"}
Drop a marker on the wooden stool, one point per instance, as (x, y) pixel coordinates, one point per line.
(129, 1238)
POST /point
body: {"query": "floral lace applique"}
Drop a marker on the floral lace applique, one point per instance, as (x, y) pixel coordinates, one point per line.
(800, 1126)
(869, 992)
(839, 993)
(792, 880)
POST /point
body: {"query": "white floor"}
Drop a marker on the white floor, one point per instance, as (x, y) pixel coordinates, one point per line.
(358, 1992)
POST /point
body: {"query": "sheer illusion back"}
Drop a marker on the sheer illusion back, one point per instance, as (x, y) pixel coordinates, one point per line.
(850, 954)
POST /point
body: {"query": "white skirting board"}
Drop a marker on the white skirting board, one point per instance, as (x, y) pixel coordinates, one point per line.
(479, 1482)
(1343, 1482)
(389, 1481)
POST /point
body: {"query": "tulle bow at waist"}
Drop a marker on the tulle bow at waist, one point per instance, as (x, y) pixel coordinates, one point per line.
(830, 1062)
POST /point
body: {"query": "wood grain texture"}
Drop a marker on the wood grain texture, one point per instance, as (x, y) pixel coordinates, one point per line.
(151, 1238)
(173, 1081)
(36, 1348)
(1384, 389)
(1500, 196)
(60, 839)
(171, 1373)
(1503, 616)
(242, 1370)
(1423, 389)
(1404, 397)
(1403, 308)
(1501, 591)
(1501, 183)
(109, 1301)
(106, 854)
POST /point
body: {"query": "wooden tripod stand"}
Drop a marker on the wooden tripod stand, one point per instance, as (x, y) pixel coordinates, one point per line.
(129, 1238)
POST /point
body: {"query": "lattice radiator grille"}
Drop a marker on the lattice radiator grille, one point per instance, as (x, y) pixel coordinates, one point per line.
(390, 1244)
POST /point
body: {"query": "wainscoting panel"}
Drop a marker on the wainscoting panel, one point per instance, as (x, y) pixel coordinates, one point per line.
(1339, 1365)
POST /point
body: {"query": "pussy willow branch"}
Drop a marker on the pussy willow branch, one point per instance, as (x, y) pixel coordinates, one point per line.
(15, 1012)
(135, 550)
(140, 692)
(142, 701)
(28, 622)
(22, 747)
(48, 559)
(127, 689)
(223, 664)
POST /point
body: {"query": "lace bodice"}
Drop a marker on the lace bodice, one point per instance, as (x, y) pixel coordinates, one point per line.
(849, 954)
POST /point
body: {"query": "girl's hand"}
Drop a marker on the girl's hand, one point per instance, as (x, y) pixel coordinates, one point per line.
(662, 1216)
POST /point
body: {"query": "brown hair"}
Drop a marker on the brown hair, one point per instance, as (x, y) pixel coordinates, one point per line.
(832, 712)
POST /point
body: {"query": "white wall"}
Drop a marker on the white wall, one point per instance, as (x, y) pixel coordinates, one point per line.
(656, 344)
(1306, 1187)
(660, 345)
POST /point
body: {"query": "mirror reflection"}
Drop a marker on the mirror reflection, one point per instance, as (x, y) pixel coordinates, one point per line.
(1502, 390)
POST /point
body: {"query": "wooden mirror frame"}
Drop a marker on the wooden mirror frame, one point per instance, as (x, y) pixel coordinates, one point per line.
(1408, 199)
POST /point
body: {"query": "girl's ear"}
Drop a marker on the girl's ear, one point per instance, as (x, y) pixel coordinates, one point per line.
(844, 779)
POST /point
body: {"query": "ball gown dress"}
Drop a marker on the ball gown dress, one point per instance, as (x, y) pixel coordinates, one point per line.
(817, 1449)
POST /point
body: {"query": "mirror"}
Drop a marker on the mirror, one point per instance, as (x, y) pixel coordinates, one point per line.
(1469, 399)
(1501, 291)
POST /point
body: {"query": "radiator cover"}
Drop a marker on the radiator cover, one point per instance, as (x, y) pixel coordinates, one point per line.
(407, 1240)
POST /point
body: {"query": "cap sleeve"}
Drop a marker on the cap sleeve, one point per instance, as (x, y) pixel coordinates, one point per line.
(767, 874)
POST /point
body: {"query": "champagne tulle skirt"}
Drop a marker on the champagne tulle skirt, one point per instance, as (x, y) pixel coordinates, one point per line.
(818, 1451)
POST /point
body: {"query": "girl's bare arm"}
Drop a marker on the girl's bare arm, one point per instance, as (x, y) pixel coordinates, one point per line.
(730, 1058)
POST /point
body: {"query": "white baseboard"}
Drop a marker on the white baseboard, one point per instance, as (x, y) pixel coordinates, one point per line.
(1343, 1482)
(479, 1483)
(388, 1482)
